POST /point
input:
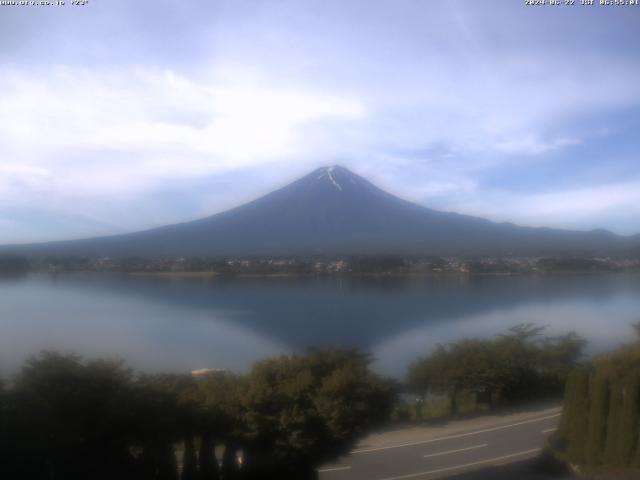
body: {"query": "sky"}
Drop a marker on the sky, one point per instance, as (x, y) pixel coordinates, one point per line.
(118, 116)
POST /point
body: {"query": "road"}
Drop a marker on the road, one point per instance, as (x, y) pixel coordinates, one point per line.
(459, 448)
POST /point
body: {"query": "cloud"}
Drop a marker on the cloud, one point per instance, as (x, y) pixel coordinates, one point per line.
(429, 101)
(581, 208)
(123, 132)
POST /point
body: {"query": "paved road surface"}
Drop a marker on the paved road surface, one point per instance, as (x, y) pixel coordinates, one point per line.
(461, 451)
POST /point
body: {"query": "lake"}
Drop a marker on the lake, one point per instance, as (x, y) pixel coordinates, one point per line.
(178, 325)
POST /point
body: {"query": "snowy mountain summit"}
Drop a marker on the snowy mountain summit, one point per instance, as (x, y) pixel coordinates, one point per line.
(337, 178)
(327, 173)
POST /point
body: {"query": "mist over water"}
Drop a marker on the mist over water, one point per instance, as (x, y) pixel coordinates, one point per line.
(184, 324)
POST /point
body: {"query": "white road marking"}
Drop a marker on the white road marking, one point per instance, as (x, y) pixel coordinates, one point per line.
(466, 465)
(456, 451)
(461, 435)
(334, 469)
(549, 430)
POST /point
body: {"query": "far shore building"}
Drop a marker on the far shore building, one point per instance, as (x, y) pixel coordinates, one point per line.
(204, 373)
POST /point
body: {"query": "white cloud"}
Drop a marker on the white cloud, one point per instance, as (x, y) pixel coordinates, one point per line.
(26, 170)
(207, 128)
(583, 208)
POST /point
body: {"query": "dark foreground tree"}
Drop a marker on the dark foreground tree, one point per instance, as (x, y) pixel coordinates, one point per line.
(63, 418)
(304, 410)
(575, 420)
(70, 420)
(629, 424)
(607, 436)
(208, 464)
(189, 461)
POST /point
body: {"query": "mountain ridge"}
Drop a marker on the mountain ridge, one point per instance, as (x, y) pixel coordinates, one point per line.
(334, 211)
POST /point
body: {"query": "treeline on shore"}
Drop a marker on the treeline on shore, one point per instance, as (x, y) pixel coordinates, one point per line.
(521, 365)
(13, 264)
(65, 418)
(600, 427)
(371, 264)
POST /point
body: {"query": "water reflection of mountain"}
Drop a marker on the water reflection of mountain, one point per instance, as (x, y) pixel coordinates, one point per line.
(348, 311)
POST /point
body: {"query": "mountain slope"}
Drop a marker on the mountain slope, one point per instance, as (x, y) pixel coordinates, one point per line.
(333, 210)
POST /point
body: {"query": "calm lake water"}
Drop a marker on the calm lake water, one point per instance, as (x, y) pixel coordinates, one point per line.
(184, 324)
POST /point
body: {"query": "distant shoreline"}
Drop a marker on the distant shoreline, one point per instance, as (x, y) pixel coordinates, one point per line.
(212, 275)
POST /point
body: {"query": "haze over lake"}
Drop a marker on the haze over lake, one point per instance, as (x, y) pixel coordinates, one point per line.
(184, 324)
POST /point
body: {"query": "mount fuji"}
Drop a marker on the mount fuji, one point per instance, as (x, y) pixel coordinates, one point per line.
(334, 211)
